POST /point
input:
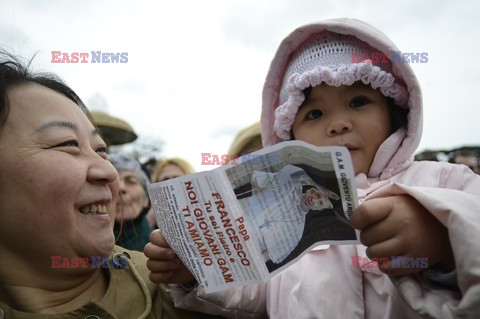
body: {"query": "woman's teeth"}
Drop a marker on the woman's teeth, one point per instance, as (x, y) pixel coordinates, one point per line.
(93, 209)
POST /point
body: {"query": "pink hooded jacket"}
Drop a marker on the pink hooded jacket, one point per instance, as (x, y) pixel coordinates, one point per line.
(323, 284)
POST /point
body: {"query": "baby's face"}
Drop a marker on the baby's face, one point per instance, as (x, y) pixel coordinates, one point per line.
(355, 116)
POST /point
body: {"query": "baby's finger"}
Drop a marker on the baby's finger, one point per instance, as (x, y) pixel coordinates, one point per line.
(370, 212)
(157, 239)
(163, 265)
(389, 248)
(377, 233)
(159, 253)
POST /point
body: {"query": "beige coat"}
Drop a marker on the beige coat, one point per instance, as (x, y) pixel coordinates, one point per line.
(130, 295)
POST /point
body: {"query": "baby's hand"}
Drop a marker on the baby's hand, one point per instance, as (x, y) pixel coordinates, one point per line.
(165, 267)
(401, 226)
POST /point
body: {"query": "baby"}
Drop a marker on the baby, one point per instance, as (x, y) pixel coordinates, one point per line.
(318, 92)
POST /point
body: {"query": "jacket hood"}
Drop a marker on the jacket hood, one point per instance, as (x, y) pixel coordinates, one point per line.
(397, 151)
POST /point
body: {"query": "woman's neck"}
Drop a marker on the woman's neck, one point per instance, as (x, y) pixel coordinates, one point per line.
(50, 291)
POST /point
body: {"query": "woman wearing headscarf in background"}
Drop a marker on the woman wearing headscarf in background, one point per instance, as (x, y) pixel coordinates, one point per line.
(131, 225)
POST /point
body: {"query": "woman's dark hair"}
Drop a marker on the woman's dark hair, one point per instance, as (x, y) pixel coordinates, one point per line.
(398, 115)
(14, 72)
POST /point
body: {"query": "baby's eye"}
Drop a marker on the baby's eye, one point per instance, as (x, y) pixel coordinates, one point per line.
(358, 101)
(313, 114)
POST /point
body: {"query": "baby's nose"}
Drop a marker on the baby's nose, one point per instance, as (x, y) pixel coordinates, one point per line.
(339, 126)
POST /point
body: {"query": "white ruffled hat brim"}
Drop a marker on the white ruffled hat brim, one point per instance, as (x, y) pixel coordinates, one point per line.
(345, 75)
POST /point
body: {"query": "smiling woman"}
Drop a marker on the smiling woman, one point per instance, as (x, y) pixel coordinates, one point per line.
(58, 193)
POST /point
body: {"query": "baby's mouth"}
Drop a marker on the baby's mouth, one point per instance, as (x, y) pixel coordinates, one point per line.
(350, 147)
(96, 209)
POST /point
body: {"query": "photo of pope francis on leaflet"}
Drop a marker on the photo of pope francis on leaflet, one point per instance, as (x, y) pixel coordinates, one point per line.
(292, 210)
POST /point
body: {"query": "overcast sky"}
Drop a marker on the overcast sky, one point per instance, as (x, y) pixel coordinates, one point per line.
(196, 68)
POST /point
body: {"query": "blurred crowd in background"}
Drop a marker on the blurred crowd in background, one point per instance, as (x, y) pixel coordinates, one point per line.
(466, 155)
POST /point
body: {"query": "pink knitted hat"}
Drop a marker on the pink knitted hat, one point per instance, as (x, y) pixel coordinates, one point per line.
(330, 58)
(322, 53)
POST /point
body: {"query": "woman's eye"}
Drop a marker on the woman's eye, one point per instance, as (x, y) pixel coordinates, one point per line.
(313, 114)
(102, 149)
(68, 143)
(358, 102)
(131, 180)
(103, 152)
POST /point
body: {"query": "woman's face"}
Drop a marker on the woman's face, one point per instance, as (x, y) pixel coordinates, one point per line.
(57, 189)
(133, 197)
